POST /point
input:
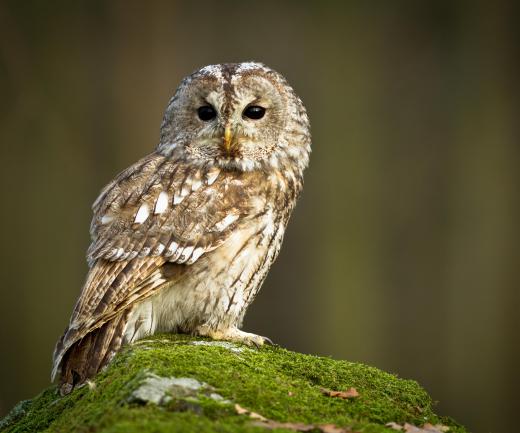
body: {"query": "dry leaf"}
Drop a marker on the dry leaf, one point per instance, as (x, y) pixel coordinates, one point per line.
(262, 421)
(333, 428)
(394, 425)
(434, 428)
(349, 393)
(300, 427)
(270, 424)
(253, 415)
(410, 428)
(240, 410)
(426, 428)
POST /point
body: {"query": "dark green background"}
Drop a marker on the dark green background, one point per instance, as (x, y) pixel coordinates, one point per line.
(403, 251)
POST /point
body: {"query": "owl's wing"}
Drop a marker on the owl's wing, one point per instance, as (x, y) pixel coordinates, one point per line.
(155, 212)
(160, 207)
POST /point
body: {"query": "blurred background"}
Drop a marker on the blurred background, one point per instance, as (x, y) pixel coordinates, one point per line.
(403, 250)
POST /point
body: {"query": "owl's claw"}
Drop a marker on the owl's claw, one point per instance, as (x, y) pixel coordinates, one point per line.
(235, 335)
(268, 341)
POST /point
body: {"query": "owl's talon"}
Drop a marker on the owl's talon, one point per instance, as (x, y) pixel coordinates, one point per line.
(234, 335)
(268, 341)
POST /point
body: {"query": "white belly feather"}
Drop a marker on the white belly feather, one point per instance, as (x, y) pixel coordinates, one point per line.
(217, 291)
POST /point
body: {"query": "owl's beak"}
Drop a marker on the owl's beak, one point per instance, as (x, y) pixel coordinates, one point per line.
(228, 137)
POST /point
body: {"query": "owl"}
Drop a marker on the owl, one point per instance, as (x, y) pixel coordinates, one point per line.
(183, 239)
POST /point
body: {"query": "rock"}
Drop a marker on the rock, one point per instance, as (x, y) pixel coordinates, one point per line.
(161, 390)
(174, 383)
(17, 412)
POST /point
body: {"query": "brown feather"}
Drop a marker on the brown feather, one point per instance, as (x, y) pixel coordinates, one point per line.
(91, 353)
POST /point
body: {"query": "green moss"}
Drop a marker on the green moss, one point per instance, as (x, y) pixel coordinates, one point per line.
(276, 383)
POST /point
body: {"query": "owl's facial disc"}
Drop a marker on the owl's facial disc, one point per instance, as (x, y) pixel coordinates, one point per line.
(236, 122)
(233, 116)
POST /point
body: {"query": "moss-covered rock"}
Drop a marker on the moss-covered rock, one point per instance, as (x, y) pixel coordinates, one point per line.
(173, 383)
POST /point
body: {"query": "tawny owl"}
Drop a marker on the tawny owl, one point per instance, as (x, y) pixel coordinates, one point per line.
(183, 239)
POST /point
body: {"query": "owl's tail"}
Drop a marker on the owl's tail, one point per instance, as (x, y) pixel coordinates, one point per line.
(81, 360)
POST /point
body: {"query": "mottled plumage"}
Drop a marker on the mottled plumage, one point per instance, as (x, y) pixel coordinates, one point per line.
(183, 239)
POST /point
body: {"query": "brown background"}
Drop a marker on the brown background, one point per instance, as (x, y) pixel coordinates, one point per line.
(403, 251)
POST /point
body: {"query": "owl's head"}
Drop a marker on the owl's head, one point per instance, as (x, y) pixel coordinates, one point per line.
(237, 116)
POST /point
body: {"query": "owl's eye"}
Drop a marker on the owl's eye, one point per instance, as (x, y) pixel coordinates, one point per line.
(254, 112)
(206, 112)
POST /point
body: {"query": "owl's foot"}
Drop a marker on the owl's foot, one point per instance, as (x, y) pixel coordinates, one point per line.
(233, 334)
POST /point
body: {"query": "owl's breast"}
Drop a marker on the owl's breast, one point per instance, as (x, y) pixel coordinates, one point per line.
(217, 289)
